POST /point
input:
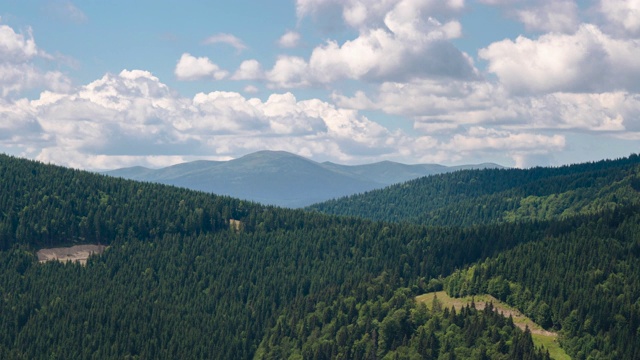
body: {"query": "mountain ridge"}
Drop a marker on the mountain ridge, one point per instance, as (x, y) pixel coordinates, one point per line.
(285, 179)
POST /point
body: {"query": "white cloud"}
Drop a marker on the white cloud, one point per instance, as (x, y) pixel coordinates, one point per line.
(397, 41)
(521, 147)
(290, 39)
(133, 118)
(289, 72)
(251, 89)
(445, 107)
(18, 72)
(622, 15)
(550, 16)
(249, 70)
(561, 16)
(371, 13)
(194, 68)
(16, 48)
(480, 138)
(586, 61)
(228, 39)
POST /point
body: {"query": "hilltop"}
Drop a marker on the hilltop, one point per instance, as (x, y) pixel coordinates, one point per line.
(284, 179)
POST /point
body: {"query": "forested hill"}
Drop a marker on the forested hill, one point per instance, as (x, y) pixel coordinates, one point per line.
(284, 179)
(497, 195)
(177, 281)
(192, 275)
(585, 283)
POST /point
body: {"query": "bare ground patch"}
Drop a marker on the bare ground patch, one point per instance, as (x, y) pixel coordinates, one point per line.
(78, 253)
(541, 337)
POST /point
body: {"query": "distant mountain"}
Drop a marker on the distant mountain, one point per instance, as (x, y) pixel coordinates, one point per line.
(284, 179)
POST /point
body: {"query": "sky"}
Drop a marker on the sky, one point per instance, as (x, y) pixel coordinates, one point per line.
(107, 84)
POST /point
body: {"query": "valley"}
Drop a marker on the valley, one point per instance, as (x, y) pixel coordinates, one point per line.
(557, 245)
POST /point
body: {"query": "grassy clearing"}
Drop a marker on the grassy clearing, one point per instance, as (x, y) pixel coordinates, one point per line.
(540, 336)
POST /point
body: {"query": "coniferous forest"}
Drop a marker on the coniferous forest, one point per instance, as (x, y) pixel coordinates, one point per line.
(193, 275)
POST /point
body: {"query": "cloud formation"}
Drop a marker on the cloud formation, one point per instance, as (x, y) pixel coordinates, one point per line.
(228, 39)
(397, 41)
(18, 72)
(132, 117)
(585, 61)
(190, 67)
(622, 15)
(550, 16)
(290, 39)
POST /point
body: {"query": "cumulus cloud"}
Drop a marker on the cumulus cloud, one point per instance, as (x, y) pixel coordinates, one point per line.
(249, 70)
(290, 72)
(290, 39)
(371, 13)
(190, 67)
(446, 107)
(251, 89)
(18, 72)
(521, 147)
(586, 61)
(480, 138)
(397, 41)
(622, 15)
(550, 16)
(16, 48)
(228, 39)
(133, 118)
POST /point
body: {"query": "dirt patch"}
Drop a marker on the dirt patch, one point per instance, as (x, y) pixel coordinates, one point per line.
(235, 224)
(481, 301)
(78, 253)
(517, 315)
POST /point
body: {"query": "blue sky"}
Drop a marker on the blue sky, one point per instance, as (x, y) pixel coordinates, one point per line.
(107, 84)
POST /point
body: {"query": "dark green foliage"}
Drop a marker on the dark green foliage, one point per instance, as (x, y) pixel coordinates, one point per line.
(177, 280)
(377, 323)
(496, 195)
(584, 282)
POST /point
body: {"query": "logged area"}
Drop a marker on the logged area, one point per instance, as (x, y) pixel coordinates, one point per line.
(541, 337)
(79, 253)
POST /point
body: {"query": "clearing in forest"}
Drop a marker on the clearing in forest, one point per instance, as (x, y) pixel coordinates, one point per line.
(78, 253)
(540, 336)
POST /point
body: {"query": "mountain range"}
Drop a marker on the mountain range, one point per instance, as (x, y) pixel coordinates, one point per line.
(284, 179)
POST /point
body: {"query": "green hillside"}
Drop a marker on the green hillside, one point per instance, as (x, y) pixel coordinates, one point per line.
(498, 195)
(192, 275)
(177, 280)
(584, 282)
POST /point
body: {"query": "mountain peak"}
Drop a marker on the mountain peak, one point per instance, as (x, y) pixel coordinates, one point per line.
(282, 178)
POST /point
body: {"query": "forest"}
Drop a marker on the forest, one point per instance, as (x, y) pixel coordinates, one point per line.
(490, 196)
(193, 275)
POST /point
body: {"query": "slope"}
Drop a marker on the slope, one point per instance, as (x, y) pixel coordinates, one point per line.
(176, 274)
(281, 178)
(583, 281)
(496, 195)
